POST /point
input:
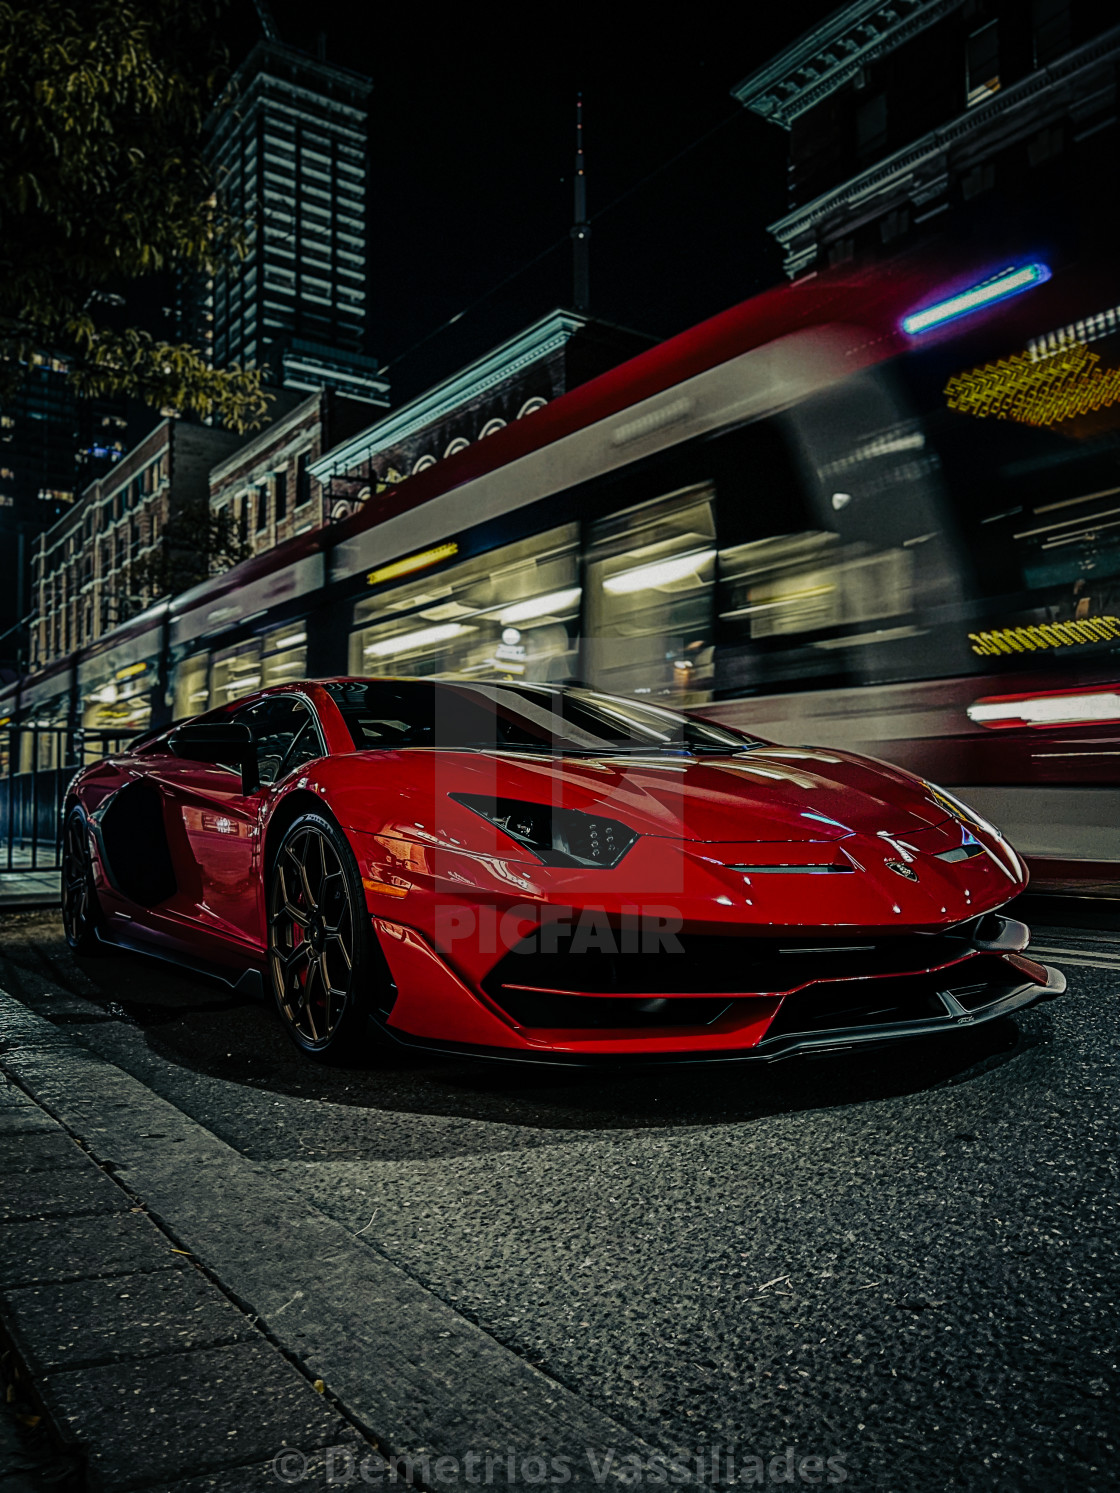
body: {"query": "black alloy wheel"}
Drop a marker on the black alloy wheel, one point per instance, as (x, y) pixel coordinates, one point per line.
(80, 910)
(322, 957)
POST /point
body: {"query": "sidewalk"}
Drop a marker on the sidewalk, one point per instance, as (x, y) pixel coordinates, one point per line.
(19, 888)
(195, 1329)
(143, 1363)
(23, 887)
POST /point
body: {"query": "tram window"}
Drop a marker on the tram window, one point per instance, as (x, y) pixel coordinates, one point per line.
(1028, 433)
(192, 685)
(511, 613)
(284, 656)
(236, 671)
(42, 749)
(111, 703)
(651, 574)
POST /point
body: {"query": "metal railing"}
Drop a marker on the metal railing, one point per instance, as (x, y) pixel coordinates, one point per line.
(36, 766)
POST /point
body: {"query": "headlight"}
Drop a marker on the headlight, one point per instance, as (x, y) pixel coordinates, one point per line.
(558, 837)
(956, 810)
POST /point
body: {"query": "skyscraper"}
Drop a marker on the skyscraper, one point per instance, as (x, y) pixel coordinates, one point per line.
(289, 148)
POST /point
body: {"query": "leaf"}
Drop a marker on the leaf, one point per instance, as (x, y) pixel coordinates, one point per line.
(103, 181)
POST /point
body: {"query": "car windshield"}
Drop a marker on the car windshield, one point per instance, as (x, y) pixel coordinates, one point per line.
(394, 713)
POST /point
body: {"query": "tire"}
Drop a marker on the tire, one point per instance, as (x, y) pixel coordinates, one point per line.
(325, 967)
(81, 912)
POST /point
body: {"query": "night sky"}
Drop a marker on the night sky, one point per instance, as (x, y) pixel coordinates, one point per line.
(471, 151)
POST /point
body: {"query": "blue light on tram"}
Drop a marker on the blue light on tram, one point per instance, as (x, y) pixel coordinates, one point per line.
(1001, 287)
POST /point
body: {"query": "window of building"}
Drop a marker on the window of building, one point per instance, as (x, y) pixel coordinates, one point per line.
(262, 507)
(982, 64)
(1050, 25)
(280, 494)
(303, 480)
(871, 129)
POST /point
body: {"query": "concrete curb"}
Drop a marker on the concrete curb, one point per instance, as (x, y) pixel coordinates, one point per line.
(143, 1364)
(399, 1363)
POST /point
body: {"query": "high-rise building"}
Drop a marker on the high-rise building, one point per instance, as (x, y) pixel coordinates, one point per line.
(52, 444)
(289, 148)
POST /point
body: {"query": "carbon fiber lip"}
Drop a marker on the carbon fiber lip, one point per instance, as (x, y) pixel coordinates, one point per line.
(791, 1045)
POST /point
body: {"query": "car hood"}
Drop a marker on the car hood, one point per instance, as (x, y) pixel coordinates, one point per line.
(779, 794)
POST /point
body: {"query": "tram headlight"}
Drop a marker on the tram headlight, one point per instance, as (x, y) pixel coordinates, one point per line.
(558, 837)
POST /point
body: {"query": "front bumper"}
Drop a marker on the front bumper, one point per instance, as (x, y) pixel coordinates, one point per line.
(689, 1011)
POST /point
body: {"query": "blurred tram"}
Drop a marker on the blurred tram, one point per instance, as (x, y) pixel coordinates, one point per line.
(875, 511)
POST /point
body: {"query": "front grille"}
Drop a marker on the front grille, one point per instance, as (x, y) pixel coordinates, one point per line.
(829, 984)
(551, 1009)
(887, 1002)
(718, 963)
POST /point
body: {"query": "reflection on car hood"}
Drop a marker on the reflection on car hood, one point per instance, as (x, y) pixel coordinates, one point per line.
(766, 794)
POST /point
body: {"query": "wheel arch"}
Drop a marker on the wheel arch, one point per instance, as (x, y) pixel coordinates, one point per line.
(303, 801)
(299, 801)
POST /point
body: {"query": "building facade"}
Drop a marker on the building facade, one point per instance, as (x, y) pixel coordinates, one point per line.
(555, 354)
(993, 120)
(86, 570)
(267, 487)
(52, 444)
(289, 148)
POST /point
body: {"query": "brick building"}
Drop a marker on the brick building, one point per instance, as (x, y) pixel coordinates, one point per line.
(83, 565)
(557, 353)
(267, 486)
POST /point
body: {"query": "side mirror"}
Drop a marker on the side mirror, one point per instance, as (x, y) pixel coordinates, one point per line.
(227, 742)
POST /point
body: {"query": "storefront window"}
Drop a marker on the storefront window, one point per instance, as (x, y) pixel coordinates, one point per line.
(509, 614)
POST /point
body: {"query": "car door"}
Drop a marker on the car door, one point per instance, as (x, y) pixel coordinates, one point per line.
(217, 824)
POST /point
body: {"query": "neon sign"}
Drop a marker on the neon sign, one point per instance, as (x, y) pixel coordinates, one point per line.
(1001, 287)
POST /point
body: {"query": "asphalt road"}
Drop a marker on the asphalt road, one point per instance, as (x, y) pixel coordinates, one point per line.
(905, 1262)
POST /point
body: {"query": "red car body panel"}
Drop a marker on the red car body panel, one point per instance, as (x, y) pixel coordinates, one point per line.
(773, 843)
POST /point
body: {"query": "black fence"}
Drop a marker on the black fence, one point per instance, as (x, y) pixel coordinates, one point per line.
(36, 765)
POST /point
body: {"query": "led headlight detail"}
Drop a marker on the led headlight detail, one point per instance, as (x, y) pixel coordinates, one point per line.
(959, 811)
(558, 837)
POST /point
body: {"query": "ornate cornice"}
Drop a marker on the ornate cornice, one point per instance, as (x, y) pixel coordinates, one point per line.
(531, 346)
(925, 157)
(829, 56)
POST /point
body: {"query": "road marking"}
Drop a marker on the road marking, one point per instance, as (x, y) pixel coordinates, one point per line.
(1086, 957)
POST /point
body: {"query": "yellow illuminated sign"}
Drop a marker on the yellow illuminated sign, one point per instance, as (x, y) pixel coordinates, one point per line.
(1036, 391)
(131, 670)
(1045, 635)
(406, 566)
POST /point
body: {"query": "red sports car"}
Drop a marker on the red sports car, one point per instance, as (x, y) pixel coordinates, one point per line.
(531, 871)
